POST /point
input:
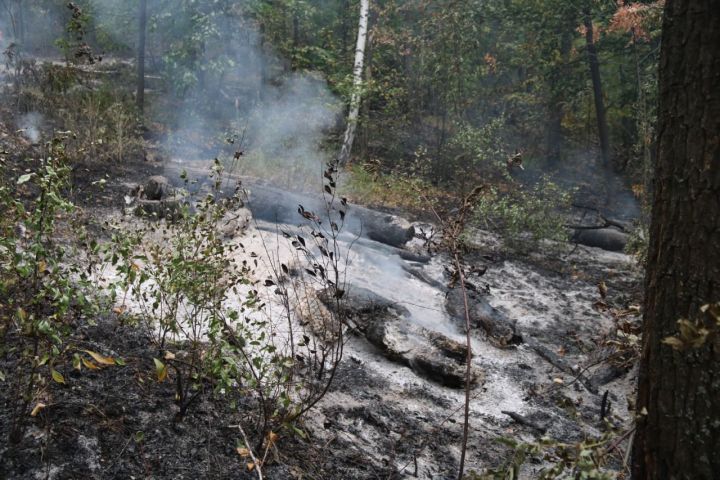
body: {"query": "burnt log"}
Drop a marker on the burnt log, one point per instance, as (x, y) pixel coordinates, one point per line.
(169, 208)
(156, 187)
(388, 326)
(605, 238)
(281, 206)
(498, 327)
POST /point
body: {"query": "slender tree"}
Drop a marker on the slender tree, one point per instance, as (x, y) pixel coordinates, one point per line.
(594, 63)
(678, 404)
(142, 20)
(356, 96)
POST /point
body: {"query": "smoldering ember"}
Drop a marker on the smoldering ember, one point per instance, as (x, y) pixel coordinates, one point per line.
(248, 239)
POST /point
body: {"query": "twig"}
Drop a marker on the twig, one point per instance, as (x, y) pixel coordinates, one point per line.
(468, 366)
(256, 464)
(604, 406)
(453, 230)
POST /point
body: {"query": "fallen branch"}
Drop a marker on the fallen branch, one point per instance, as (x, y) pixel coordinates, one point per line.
(556, 361)
(524, 421)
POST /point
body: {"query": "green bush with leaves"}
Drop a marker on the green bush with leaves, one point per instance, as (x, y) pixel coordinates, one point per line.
(197, 297)
(525, 216)
(483, 150)
(586, 460)
(179, 273)
(43, 281)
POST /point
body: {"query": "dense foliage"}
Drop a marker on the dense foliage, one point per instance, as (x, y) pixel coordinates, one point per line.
(436, 69)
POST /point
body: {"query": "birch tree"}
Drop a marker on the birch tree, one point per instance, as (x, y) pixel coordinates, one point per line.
(356, 96)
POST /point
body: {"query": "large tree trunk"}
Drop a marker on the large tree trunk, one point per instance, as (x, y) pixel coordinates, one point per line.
(142, 16)
(678, 430)
(357, 84)
(594, 63)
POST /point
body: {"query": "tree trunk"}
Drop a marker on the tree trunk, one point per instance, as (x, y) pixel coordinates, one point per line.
(678, 429)
(295, 34)
(140, 96)
(21, 22)
(643, 124)
(365, 110)
(597, 89)
(357, 84)
(554, 137)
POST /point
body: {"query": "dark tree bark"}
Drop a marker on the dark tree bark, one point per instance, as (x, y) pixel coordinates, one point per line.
(679, 436)
(142, 17)
(594, 63)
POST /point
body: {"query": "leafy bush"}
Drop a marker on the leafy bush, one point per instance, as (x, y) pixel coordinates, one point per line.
(484, 146)
(43, 283)
(367, 185)
(202, 307)
(524, 217)
(583, 460)
(638, 243)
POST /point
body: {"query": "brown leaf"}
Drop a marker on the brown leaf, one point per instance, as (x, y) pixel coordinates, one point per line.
(89, 364)
(37, 409)
(102, 360)
(602, 288)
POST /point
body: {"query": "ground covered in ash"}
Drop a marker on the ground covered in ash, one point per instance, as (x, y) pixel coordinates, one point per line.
(120, 422)
(574, 314)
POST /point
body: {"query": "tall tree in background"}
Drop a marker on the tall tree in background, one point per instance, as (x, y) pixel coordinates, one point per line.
(594, 63)
(356, 96)
(142, 20)
(16, 14)
(678, 429)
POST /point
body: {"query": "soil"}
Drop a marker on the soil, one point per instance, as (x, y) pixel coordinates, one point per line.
(120, 422)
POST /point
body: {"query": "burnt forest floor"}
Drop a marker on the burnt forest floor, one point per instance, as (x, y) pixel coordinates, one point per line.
(119, 422)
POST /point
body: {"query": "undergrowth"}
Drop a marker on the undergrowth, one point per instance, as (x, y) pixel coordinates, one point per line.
(44, 283)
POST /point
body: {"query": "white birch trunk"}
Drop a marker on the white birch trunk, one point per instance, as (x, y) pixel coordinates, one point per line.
(357, 84)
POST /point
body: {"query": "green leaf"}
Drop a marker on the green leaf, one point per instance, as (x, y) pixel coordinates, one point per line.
(77, 364)
(160, 370)
(57, 376)
(2, 376)
(24, 178)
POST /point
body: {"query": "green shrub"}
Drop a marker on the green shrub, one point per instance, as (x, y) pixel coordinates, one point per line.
(201, 306)
(525, 216)
(586, 460)
(43, 281)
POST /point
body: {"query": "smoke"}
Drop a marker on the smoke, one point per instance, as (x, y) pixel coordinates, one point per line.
(30, 124)
(234, 94)
(277, 119)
